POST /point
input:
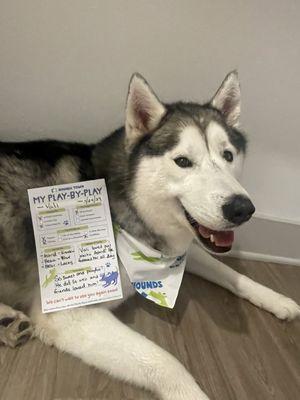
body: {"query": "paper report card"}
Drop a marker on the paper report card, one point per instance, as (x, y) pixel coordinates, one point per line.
(75, 245)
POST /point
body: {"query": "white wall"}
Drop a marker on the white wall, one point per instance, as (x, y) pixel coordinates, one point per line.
(65, 66)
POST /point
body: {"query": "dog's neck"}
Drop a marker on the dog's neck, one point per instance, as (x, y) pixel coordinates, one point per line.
(110, 161)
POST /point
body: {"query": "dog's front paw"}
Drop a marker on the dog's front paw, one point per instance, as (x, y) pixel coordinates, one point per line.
(183, 390)
(281, 306)
(189, 394)
(15, 327)
(286, 308)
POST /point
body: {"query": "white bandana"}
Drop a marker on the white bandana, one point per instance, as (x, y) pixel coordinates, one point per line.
(153, 275)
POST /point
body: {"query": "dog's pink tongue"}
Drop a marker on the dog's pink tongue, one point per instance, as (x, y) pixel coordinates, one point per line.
(224, 239)
(221, 238)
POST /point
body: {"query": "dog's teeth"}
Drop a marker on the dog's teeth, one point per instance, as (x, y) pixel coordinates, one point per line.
(212, 238)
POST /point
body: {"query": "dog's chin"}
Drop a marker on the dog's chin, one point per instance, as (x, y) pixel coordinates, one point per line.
(212, 240)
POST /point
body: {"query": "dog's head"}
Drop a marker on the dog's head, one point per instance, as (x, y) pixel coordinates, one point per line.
(185, 159)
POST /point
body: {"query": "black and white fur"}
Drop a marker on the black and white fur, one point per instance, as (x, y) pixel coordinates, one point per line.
(150, 196)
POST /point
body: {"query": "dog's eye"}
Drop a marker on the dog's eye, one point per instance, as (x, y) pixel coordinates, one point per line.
(183, 162)
(228, 155)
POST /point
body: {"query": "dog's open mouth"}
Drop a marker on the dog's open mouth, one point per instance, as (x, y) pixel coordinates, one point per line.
(216, 241)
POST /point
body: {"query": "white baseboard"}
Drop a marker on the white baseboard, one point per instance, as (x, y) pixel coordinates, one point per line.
(270, 240)
(274, 218)
(247, 255)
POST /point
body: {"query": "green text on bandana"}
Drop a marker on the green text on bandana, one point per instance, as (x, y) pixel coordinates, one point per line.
(153, 275)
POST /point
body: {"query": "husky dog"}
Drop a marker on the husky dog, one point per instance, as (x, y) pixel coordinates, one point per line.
(171, 174)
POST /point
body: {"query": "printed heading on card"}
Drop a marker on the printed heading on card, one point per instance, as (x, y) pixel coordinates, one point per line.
(75, 245)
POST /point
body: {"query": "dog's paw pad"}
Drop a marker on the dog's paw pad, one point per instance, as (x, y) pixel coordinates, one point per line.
(15, 329)
(23, 326)
(6, 321)
(23, 339)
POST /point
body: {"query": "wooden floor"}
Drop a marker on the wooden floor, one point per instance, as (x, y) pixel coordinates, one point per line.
(234, 350)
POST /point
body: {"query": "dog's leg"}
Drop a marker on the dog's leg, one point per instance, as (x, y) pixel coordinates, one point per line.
(203, 264)
(15, 327)
(97, 337)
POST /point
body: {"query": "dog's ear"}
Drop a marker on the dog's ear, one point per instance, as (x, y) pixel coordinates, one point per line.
(228, 99)
(144, 111)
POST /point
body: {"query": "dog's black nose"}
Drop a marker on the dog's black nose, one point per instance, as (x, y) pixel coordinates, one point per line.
(239, 209)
